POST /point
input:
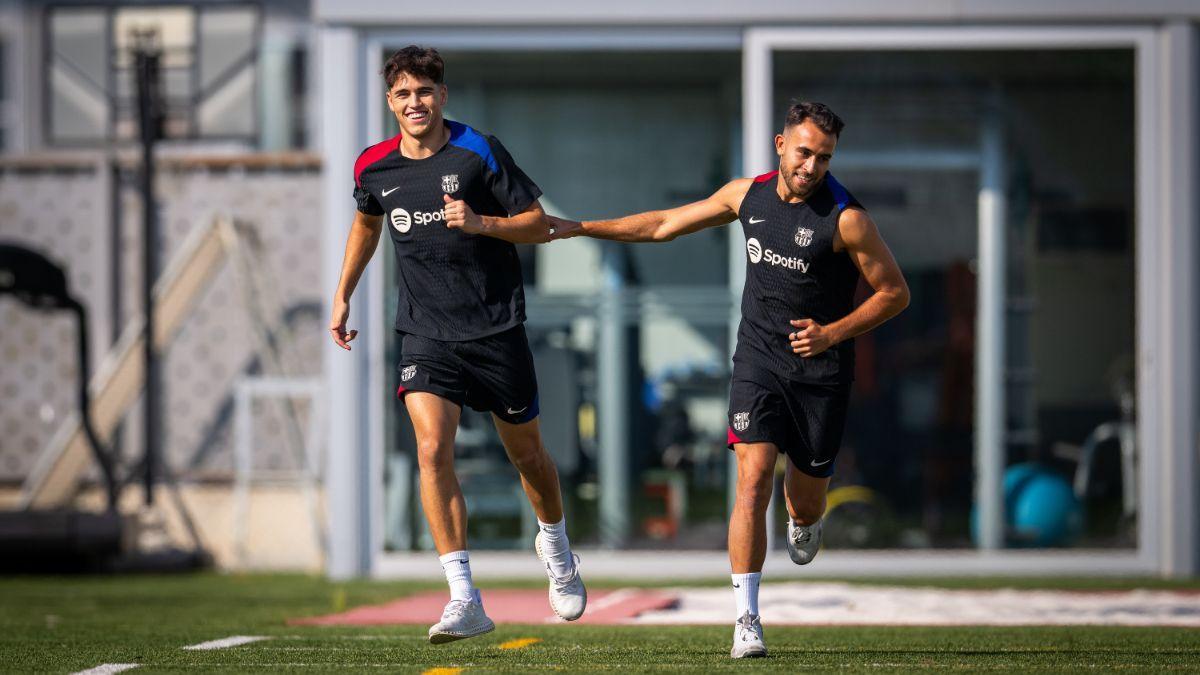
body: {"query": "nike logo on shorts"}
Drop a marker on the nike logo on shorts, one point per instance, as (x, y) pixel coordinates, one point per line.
(388, 192)
(816, 464)
(517, 412)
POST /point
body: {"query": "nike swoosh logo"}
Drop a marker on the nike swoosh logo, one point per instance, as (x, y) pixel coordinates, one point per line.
(737, 585)
(820, 463)
(388, 192)
(517, 412)
(752, 221)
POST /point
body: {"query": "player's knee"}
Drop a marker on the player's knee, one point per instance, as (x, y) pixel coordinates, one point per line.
(754, 493)
(753, 500)
(528, 458)
(435, 455)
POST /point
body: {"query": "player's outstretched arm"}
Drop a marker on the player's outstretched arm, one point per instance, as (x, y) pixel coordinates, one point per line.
(528, 227)
(360, 246)
(874, 260)
(720, 208)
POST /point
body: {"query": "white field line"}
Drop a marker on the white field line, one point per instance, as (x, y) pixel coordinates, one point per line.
(224, 643)
(108, 669)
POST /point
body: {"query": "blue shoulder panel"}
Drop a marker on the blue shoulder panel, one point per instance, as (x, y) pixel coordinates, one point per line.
(840, 195)
(467, 138)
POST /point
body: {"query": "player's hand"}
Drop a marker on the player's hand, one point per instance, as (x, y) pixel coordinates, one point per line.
(459, 216)
(810, 338)
(337, 325)
(560, 228)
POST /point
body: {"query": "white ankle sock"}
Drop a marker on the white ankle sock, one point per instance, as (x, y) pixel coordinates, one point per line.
(745, 592)
(556, 549)
(457, 566)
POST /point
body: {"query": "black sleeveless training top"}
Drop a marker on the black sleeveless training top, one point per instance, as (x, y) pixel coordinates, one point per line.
(792, 272)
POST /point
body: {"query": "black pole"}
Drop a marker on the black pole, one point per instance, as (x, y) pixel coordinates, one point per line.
(146, 62)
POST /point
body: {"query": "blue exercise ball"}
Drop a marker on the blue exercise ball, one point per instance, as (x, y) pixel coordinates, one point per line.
(1015, 478)
(1041, 509)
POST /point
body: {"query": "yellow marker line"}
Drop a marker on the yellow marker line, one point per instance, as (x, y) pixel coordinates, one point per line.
(519, 643)
(443, 671)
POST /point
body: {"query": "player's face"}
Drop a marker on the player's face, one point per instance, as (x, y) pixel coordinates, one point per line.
(804, 153)
(417, 103)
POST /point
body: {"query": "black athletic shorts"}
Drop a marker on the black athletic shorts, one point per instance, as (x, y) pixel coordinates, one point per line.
(491, 374)
(803, 420)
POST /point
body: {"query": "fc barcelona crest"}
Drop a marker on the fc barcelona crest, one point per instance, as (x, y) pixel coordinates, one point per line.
(450, 183)
(804, 236)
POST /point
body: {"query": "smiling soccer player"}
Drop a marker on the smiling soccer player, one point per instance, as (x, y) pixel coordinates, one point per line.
(439, 187)
(807, 243)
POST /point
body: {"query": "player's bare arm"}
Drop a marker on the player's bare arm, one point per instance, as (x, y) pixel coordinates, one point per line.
(528, 227)
(360, 246)
(858, 236)
(721, 208)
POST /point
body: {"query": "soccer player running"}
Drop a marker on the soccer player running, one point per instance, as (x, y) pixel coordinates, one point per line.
(807, 242)
(439, 186)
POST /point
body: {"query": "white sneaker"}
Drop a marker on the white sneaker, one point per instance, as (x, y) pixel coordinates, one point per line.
(748, 638)
(461, 619)
(803, 541)
(568, 597)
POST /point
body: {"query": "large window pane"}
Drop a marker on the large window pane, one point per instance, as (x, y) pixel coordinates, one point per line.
(226, 70)
(78, 75)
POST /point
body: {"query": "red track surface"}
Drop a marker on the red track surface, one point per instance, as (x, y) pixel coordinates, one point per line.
(504, 606)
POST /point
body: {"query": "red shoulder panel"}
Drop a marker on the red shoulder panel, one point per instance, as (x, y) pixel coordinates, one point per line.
(763, 178)
(374, 154)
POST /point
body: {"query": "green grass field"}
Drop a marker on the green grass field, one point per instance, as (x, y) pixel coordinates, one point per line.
(69, 624)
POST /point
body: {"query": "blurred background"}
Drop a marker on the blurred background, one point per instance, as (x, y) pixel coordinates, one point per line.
(1031, 165)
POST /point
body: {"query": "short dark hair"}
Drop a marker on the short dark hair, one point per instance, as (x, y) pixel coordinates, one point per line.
(416, 61)
(820, 115)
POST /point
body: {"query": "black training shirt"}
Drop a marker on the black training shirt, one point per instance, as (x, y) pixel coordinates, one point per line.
(453, 286)
(793, 272)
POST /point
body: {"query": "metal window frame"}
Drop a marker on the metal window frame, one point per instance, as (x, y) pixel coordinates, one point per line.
(350, 115)
(358, 389)
(1161, 404)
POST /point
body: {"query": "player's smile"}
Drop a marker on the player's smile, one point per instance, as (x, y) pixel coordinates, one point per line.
(417, 103)
(801, 183)
(804, 154)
